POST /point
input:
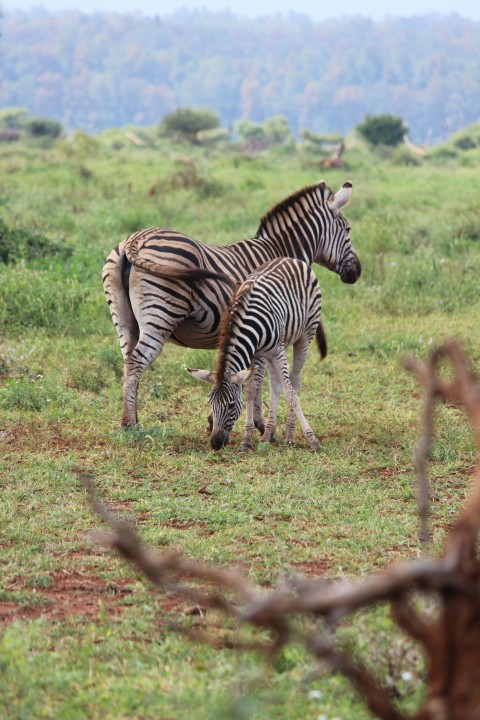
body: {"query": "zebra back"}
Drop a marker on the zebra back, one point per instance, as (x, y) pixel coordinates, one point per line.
(190, 275)
(276, 304)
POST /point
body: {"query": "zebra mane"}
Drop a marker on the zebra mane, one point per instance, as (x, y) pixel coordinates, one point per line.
(226, 328)
(289, 202)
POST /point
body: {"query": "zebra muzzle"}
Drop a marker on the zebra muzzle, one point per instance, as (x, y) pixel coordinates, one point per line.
(218, 439)
(352, 273)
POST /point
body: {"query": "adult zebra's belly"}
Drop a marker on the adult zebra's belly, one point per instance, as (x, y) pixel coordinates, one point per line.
(192, 334)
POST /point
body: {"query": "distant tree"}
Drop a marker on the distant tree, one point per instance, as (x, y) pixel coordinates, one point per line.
(383, 129)
(277, 129)
(274, 131)
(250, 131)
(44, 127)
(187, 122)
(13, 118)
(213, 136)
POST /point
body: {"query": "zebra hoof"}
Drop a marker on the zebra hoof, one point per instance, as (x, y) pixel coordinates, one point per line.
(245, 447)
(290, 443)
(260, 425)
(315, 446)
(272, 440)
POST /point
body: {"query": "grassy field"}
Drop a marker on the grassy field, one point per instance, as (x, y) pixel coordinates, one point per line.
(81, 635)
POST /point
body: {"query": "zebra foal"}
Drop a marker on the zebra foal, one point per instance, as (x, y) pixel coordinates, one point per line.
(277, 306)
(162, 286)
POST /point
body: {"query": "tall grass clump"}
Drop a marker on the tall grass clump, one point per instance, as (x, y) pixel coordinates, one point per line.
(38, 299)
(32, 394)
(23, 243)
(427, 282)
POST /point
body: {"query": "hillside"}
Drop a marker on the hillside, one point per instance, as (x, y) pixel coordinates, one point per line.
(94, 71)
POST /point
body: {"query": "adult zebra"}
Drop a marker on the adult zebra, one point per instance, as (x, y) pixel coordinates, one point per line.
(148, 284)
(278, 305)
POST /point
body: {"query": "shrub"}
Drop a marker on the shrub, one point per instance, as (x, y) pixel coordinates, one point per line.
(21, 243)
(13, 118)
(187, 122)
(35, 299)
(213, 136)
(277, 129)
(468, 138)
(250, 131)
(44, 128)
(403, 156)
(383, 129)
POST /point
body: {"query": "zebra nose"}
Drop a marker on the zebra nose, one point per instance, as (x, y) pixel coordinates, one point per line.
(352, 273)
(218, 440)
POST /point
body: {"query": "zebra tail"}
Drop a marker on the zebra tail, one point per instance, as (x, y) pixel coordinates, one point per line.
(189, 276)
(321, 340)
(171, 273)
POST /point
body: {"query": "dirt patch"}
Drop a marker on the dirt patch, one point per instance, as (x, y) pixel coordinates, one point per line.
(68, 594)
(303, 543)
(313, 568)
(183, 525)
(79, 595)
(51, 438)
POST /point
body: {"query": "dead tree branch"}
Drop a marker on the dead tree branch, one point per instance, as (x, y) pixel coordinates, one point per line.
(451, 642)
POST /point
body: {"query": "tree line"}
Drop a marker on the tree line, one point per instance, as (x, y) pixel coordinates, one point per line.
(100, 70)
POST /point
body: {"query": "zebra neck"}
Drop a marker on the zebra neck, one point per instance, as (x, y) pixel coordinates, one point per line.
(241, 350)
(237, 351)
(266, 247)
(293, 243)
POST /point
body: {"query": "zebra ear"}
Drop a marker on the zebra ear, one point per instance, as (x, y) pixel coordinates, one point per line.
(243, 376)
(341, 198)
(204, 375)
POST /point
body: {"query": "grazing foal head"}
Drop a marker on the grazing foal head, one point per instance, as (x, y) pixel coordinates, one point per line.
(225, 400)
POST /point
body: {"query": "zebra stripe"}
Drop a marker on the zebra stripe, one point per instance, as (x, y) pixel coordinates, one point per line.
(277, 306)
(162, 286)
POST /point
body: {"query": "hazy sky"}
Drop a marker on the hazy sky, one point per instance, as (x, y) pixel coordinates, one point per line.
(319, 10)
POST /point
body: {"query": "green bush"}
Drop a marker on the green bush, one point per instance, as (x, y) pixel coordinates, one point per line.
(13, 118)
(468, 138)
(383, 129)
(250, 131)
(403, 156)
(35, 299)
(187, 122)
(44, 128)
(22, 243)
(214, 136)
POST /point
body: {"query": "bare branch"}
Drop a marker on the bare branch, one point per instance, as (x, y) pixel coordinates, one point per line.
(376, 697)
(451, 643)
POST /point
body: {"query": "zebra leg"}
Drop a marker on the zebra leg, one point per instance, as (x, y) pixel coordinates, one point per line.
(300, 350)
(158, 315)
(250, 390)
(291, 397)
(258, 417)
(275, 390)
(145, 352)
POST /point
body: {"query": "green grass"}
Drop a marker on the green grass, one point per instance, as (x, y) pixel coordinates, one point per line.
(345, 511)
